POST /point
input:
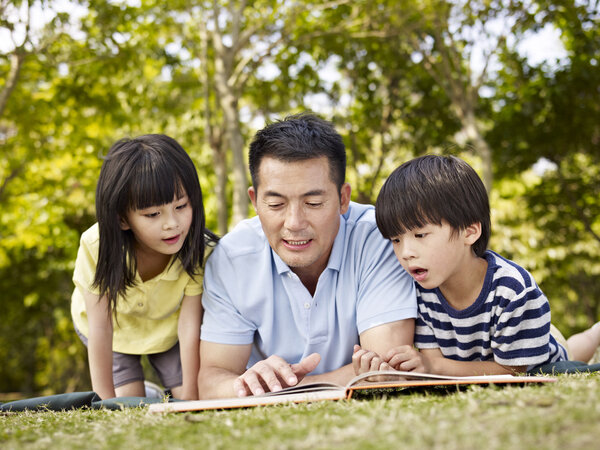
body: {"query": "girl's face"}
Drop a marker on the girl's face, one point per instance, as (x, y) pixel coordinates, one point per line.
(160, 229)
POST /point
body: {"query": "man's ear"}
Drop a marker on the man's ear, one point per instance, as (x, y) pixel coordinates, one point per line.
(345, 198)
(472, 233)
(123, 224)
(252, 195)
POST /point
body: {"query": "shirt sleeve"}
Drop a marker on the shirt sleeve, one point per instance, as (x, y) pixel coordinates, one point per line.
(522, 335)
(85, 265)
(386, 293)
(195, 284)
(222, 322)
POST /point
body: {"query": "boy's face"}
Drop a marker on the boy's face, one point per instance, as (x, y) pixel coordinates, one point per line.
(436, 255)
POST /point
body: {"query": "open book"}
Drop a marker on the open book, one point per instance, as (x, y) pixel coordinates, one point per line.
(311, 392)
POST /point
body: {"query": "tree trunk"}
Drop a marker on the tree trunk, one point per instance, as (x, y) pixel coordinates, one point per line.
(233, 137)
(482, 148)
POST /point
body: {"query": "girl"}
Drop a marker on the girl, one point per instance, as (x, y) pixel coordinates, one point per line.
(138, 273)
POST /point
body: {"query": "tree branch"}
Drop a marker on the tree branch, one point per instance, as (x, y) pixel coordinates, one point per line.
(16, 62)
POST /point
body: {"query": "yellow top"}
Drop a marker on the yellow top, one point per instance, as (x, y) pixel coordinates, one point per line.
(148, 314)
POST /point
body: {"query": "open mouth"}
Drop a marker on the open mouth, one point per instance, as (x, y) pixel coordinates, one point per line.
(172, 240)
(297, 244)
(419, 273)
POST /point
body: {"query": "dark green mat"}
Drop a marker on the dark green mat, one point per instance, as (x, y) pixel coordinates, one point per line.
(75, 400)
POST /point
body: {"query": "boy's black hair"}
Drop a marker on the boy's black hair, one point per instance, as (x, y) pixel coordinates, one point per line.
(297, 138)
(139, 173)
(432, 189)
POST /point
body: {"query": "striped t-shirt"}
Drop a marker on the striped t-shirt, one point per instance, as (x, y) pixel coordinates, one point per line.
(509, 323)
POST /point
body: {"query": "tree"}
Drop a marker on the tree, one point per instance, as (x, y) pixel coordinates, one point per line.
(550, 112)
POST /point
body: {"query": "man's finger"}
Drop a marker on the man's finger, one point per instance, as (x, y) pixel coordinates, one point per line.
(250, 379)
(306, 366)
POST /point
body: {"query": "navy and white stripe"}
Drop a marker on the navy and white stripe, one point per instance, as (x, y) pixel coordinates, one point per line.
(509, 323)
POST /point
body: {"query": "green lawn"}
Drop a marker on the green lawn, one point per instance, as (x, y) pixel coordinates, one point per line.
(561, 415)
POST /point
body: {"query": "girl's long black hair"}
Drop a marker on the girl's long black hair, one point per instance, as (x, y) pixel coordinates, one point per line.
(136, 174)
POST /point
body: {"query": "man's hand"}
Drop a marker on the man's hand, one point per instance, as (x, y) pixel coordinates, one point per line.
(273, 374)
(367, 361)
(408, 358)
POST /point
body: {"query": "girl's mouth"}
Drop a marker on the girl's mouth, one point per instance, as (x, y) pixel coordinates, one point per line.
(172, 240)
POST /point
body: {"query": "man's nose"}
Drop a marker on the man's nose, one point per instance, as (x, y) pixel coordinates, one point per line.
(295, 218)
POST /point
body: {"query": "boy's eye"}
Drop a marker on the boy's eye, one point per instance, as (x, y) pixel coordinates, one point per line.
(420, 235)
(395, 240)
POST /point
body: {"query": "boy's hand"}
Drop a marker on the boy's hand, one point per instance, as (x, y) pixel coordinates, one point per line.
(367, 361)
(408, 359)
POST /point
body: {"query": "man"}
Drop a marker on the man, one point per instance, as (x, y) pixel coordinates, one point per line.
(290, 292)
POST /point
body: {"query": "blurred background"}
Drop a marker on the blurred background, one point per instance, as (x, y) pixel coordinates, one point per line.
(513, 87)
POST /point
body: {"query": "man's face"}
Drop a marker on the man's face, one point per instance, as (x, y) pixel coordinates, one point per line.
(299, 208)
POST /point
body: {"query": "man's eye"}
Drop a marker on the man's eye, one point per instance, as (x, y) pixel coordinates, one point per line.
(275, 205)
(314, 204)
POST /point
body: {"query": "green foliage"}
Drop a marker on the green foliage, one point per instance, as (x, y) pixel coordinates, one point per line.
(401, 87)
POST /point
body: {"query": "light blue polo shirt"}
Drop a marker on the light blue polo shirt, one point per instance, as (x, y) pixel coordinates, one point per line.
(252, 296)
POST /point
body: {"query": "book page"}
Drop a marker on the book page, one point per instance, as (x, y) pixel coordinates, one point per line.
(391, 376)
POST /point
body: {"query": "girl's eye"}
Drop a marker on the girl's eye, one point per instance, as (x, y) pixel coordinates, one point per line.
(182, 206)
(154, 214)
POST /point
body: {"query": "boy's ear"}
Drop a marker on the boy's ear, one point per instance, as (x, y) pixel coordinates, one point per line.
(472, 233)
(123, 224)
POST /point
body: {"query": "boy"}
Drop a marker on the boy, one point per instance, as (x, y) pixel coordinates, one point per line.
(479, 313)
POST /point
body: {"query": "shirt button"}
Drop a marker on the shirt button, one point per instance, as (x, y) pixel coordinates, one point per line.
(307, 305)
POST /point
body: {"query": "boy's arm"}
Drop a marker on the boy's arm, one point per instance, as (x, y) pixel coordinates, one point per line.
(188, 332)
(433, 361)
(100, 335)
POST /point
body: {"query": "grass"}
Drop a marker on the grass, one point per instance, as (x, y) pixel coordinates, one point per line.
(561, 415)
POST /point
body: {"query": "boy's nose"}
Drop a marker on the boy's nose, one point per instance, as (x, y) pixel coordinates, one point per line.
(407, 251)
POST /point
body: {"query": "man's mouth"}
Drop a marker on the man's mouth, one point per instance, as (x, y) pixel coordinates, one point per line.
(296, 244)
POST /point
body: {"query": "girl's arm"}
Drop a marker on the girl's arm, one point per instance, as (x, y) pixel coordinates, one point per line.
(100, 345)
(188, 331)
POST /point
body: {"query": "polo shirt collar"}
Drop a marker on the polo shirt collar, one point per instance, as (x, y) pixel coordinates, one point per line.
(171, 272)
(335, 259)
